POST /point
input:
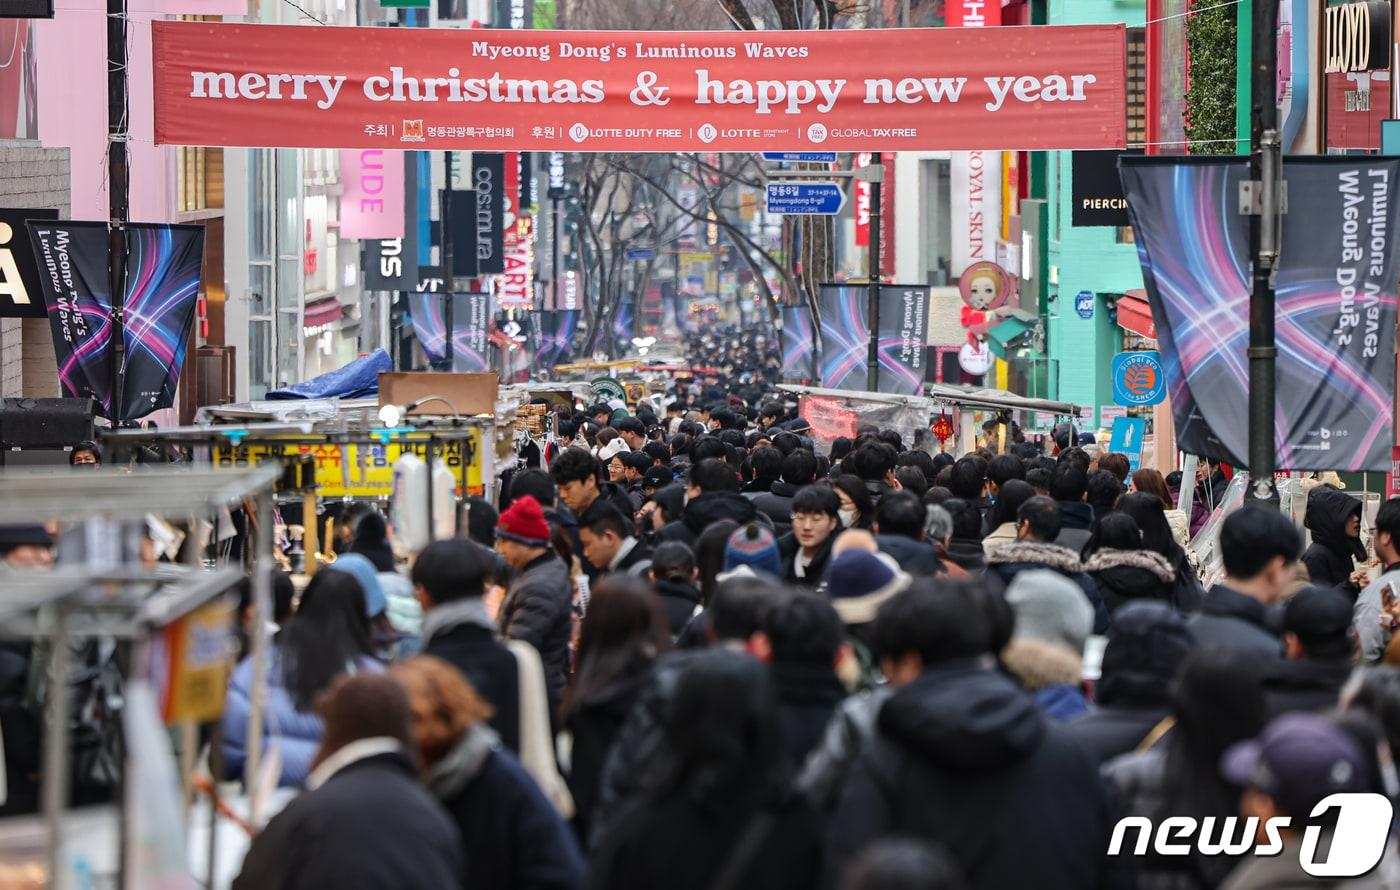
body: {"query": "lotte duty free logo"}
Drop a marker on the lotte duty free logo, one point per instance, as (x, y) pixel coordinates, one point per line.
(1138, 379)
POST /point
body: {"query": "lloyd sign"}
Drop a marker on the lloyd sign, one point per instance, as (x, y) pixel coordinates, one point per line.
(263, 85)
(1357, 37)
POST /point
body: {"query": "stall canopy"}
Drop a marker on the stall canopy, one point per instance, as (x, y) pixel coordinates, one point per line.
(357, 380)
(1135, 315)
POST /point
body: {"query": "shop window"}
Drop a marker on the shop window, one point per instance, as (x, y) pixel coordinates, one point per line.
(201, 185)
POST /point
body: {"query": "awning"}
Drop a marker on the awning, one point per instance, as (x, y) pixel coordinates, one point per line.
(322, 312)
(1005, 336)
(1134, 314)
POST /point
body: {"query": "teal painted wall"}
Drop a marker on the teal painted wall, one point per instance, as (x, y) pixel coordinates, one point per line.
(1086, 258)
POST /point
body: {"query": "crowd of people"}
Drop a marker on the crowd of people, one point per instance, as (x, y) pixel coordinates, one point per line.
(702, 650)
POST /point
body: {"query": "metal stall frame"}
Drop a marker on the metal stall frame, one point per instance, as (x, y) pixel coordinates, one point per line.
(122, 603)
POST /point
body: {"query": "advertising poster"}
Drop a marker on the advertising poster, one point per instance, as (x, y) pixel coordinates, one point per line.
(845, 337)
(471, 322)
(488, 182)
(799, 344)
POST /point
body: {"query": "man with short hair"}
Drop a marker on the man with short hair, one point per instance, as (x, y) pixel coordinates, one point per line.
(577, 473)
(816, 518)
(632, 432)
(610, 546)
(962, 751)
(1068, 486)
(1259, 546)
(1037, 527)
(1318, 648)
(799, 469)
(899, 530)
(1370, 604)
(448, 577)
(364, 820)
(712, 494)
(875, 464)
(766, 465)
(803, 642)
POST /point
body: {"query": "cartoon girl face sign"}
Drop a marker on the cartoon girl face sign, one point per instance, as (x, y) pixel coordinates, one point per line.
(985, 287)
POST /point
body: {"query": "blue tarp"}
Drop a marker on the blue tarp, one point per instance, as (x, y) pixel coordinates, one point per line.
(357, 380)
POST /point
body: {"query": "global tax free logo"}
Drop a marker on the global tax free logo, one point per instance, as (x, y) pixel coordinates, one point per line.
(1138, 379)
(1358, 836)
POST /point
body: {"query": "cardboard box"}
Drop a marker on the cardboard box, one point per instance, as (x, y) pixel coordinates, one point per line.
(469, 393)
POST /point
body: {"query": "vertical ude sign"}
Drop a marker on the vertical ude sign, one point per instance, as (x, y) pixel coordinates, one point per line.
(391, 264)
(21, 289)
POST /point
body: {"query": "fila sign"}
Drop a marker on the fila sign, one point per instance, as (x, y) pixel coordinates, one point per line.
(1357, 37)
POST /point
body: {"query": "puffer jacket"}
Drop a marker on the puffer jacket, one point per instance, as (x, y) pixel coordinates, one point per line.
(537, 609)
(965, 757)
(706, 509)
(1010, 560)
(1125, 575)
(296, 733)
(1330, 557)
(1052, 673)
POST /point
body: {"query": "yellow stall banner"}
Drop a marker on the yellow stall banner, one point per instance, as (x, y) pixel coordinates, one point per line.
(361, 470)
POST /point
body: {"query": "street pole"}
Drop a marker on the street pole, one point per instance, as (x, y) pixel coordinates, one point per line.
(450, 279)
(1264, 200)
(872, 360)
(117, 198)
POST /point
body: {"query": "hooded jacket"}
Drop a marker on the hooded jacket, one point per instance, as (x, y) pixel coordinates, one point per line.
(538, 610)
(776, 504)
(1009, 560)
(964, 757)
(710, 507)
(1124, 575)
(511, 835)
(1329, 558)
(1050, 672)
(915, 557)
(681, 600)
(1305, 684)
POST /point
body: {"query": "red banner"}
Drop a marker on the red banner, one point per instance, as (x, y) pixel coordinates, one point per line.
(1042, 87)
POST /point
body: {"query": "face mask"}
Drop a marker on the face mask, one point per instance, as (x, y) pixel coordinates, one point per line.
(847, 517)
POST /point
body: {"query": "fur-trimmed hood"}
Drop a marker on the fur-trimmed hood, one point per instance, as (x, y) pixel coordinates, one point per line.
(1146, 560)
(1061, 559)
(1038, 664)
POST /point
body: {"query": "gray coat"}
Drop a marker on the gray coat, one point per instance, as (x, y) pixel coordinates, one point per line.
(538, 610)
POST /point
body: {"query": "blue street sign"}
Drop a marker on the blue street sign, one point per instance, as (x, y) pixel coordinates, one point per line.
(1127, 438)
(806, 157)
(813, 198)
(1138, 378)
(641, 253)
(1084, 304)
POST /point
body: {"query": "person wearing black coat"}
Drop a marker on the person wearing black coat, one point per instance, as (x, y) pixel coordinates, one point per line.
(512, 838)
(714, 495)
(805, 551)
(1259, 549)
(806, 637)
(963, 756)
(799, 469)
(722, 815)
(364, 821)
(1319, 649)
(1124, 576)
(1334, 518)
(1146, 647)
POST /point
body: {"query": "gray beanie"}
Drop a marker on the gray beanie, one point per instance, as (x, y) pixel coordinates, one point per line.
(1051, 608)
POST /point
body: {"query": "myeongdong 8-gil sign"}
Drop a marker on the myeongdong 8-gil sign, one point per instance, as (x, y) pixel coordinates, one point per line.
(918, 88)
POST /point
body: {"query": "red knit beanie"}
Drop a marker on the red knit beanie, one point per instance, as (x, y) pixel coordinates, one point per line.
(524, 523)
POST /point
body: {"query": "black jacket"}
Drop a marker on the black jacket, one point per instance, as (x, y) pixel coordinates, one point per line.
(512, 837)
(807, 697)
(1234, 622)
(915, 557)
(371, 826)
(1304, 685)
(1124, 575)
(490, 667)
(964, 757)
(708, 508)
(776, 504)
(1329, 558)
(637, 562)
(1010, 560)
(610, 494)
(968, 553)
(538, 610)
(816, 569)
(593, 726)
(1076, 520)
(672, 841)
(679, 599)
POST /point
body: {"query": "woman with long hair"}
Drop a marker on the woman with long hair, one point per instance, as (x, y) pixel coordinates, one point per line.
(1218, 701)
(1147, 510)
(724, 813)
(1121, 567)
(1150, 481)
(511, 835)
(329, 635)
(622, 634)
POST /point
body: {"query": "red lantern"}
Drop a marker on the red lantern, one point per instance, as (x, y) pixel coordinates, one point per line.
(943, 429)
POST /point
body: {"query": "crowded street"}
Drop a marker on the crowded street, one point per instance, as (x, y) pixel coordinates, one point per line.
(605, 445)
